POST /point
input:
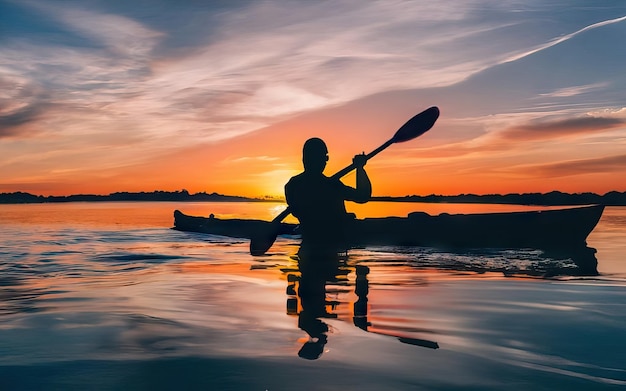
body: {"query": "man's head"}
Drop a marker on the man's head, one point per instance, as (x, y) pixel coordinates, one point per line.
(314, 155)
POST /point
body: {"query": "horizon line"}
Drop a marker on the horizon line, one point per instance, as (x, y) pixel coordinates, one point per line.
(277, 197)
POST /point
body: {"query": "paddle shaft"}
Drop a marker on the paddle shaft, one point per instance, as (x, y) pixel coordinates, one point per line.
(370, 155)
(338, 175)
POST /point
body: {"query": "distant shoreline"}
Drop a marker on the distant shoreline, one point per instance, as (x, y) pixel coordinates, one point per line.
(553, 198)
(157, 196)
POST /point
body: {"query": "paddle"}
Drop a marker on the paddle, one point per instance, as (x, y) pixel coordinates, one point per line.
(413, 128)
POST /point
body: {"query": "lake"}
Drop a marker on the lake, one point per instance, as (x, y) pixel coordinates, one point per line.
(105, 296)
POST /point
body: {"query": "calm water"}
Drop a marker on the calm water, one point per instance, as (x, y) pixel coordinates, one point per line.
(106, 296)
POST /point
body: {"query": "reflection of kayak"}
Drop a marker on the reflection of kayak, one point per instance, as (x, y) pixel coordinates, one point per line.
(535, 229)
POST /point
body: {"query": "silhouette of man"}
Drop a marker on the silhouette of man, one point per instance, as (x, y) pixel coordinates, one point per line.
(318, 201)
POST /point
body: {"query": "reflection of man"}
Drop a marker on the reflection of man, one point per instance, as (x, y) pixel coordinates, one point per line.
(318, 201)
(312, 293)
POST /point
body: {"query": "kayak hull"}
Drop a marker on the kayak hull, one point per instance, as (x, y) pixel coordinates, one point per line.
(533, 229)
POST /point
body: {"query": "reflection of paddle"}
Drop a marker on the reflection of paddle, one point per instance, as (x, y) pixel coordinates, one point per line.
(362, 323)
(413, 128)
(419, 342)
(408, 340)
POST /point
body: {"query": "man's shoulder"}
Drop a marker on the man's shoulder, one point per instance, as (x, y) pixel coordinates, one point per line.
(303, 178)
(296, 179)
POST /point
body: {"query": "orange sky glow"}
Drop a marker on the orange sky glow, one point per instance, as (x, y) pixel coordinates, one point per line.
(99, 100)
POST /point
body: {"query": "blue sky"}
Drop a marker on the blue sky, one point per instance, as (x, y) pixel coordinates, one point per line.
(96, 96)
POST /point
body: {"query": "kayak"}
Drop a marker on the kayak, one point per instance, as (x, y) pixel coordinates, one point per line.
(541, 229)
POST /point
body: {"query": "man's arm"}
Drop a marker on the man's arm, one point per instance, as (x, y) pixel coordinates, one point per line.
(363, 191)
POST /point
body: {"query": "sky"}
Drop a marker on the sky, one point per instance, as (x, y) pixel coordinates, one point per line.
(219, 96)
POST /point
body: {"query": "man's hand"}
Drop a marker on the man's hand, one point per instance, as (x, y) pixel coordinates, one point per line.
(359, 160)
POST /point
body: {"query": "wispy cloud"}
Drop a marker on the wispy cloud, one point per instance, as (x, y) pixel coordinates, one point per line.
(315, 57)
(564, 38)
(561, 128)
(20, 102)
(573, 91)
(607, 165)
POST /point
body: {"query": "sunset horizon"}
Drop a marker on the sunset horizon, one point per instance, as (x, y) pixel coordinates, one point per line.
(281, 197)
(103, 97)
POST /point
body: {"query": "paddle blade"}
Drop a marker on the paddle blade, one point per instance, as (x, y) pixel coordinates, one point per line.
(417, 125)
(263, 241)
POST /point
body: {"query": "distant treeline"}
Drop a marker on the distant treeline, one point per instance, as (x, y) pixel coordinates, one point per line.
(27, 198)
(612, 198)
